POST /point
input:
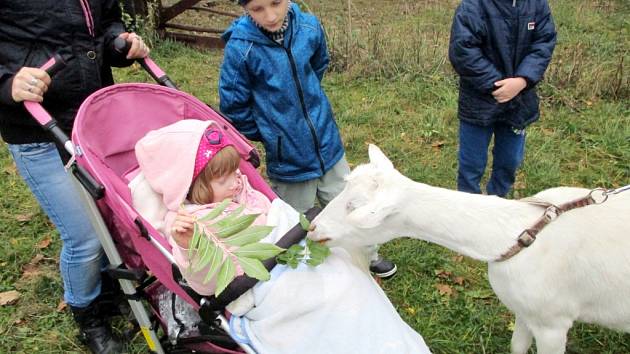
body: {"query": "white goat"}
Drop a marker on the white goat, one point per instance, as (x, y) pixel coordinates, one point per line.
(578, 269)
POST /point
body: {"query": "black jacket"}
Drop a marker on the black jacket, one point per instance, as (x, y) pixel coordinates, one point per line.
(493, 40)
(31, 32)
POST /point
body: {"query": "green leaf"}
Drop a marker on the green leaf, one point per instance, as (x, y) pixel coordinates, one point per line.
(254, 268)
(317, 249)
(228, 219)
(314, 262)
(252, 234)
(312, 254)
(293, 263)
(215, 264)
(225, 276)
(208, 254)
(306, 225)
(259, 251)
(195, 241)
(216, 211)
(296, 249)
(241, 223)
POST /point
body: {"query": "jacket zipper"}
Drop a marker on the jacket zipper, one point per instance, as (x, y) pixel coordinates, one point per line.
(304, 111)
(85, 5)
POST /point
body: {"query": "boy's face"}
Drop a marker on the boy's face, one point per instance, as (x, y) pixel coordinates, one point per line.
(224, 187)
(268, 13)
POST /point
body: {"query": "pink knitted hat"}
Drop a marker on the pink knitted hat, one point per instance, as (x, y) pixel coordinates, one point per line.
(212, 141)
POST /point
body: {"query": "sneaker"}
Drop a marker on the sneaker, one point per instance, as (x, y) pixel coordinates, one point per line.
(383, 268)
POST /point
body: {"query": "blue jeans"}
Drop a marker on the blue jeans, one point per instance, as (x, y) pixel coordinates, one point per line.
(507, 156)
(82, 258)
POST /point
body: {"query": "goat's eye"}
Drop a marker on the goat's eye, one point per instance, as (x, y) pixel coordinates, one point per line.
(350, 207)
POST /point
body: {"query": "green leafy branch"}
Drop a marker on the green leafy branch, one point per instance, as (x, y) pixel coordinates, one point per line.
(231, 241)
(313, 254)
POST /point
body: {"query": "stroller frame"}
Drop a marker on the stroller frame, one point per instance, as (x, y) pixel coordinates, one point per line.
(91, 191)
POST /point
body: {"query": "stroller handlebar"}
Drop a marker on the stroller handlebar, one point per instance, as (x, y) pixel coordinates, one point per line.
(52, 67)
(122, 46)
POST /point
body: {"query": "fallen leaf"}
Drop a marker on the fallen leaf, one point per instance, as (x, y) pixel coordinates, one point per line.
(9, 297)
(547, 131)
(38, 258)
(24, 217)
(438, 144)
(444, 289)
(31, 269)
(444, 274)
(44, 243)
(458, 280)
(519, 185)
(10, 169)
(61, 306)
(458, 258)
(19, 321)
(410, 310)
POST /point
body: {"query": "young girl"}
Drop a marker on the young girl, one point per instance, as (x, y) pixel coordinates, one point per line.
(334, 308)
(270, 88)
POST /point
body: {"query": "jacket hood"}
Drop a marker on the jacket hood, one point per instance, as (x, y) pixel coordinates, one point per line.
(244, 28)
(167, 158)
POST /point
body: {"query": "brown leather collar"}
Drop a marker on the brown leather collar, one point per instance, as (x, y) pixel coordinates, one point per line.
(528, 236)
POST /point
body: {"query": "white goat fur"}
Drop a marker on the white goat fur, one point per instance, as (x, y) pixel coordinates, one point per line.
(578, 269)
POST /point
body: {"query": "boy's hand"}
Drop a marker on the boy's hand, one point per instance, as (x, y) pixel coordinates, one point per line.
(508, 89)
(182, 229)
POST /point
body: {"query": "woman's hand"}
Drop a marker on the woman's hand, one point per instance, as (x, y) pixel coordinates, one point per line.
(508, 89)
(138, 48)
(183, 227)
(30, 84)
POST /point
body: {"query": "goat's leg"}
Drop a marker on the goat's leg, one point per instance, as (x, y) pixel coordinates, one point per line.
(552, 338)
(522, 337)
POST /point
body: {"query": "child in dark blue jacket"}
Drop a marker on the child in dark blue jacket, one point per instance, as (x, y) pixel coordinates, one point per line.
(500, 49)
(270, 88)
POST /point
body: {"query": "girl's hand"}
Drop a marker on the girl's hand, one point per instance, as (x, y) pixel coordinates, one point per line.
(183, 227)
(29, 84)
(138, 48)
(508, 89)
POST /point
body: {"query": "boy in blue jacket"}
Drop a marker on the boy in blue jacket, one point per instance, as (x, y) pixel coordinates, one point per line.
(500, 49)
(270, 88)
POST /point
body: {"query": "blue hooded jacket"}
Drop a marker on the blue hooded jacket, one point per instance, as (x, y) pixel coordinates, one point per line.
(492, 40)
(272, 93)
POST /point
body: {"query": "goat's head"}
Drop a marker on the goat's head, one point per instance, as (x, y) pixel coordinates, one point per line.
(355, 217)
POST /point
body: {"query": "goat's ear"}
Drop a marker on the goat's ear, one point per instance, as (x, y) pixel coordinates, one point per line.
(379, 159)
(370, 215)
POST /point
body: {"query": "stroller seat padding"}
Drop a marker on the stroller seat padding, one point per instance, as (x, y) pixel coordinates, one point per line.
(147, 202)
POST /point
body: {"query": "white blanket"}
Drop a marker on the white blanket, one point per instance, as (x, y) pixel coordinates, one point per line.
(334, 308)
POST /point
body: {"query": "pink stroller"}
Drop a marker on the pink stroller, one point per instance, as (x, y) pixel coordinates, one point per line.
(107, 126)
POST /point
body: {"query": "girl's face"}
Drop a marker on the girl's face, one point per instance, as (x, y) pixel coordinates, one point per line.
(268, 13)
(224, 187)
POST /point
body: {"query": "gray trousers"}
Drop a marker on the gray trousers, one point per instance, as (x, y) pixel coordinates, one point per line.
(302, 195)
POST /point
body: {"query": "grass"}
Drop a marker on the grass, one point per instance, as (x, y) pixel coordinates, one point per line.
(390, 84)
